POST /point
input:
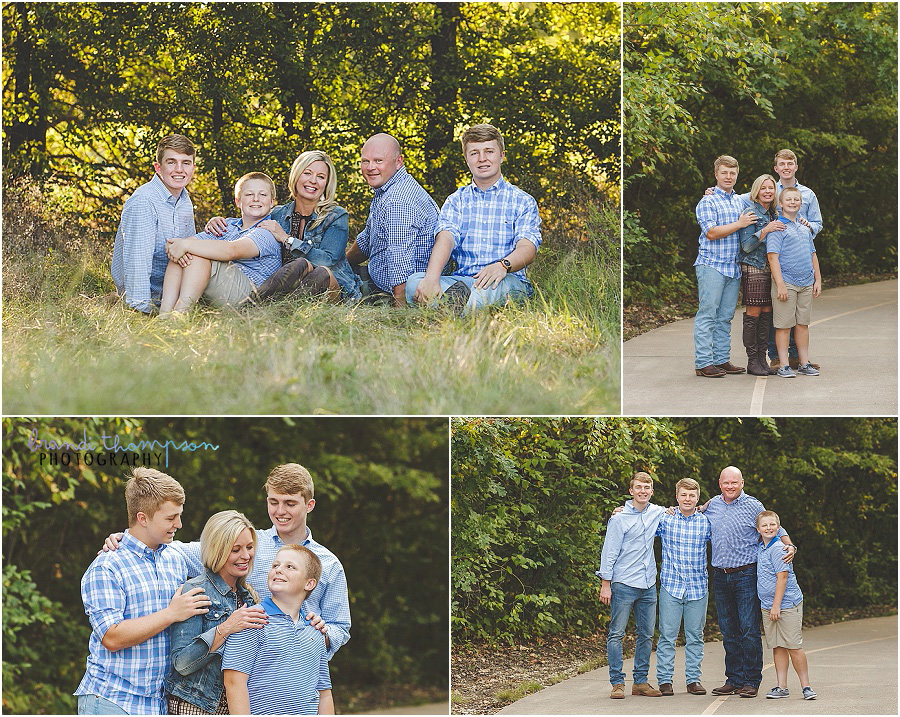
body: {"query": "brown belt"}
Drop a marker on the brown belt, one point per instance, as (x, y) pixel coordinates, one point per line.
(737, 569)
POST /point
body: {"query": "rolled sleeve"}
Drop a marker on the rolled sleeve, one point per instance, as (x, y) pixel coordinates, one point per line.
(707, 216)
(104, 599)
(190, 649)
(362, 239)
(335, 609)
(750, 238)
(450, 219)
(138, 228)
(528, 223)
(813, 214)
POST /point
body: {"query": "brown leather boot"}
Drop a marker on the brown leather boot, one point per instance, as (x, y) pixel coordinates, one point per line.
(283, 281)
(751, 327)
(315, 282)
(762, 342)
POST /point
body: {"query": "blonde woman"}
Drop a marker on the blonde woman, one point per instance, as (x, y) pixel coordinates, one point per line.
(227, 546)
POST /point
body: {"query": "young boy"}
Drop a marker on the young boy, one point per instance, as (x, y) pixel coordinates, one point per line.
(683, 590)
(489, 227)
(159, 209)
(718, 273)
(782, 607)
(796, 280)
(225, 270)
(281, 668)
(128, 598)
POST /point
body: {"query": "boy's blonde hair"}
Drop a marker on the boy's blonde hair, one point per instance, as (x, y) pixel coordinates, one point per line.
(311, 561)
(725, 160)
(768, 514)
(641, 477)
(757, 185)
(784, 154)
(147, 489)
(482, 133)
(175, 142)
(290, 479)
(787, 190)
(687, 484)
(239, 184)
(218, 538)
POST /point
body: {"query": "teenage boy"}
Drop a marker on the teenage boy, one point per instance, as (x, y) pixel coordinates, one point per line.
(718, 272)
(683, 590)
(782, 608)
(490, 228)
(225, 269)
(400, 228)
(128, 597)
(158, 210)
(628, 575)
(289, 498)
(281, 669)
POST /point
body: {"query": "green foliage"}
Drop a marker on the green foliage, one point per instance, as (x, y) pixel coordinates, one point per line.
(381, 508)
(748, 79)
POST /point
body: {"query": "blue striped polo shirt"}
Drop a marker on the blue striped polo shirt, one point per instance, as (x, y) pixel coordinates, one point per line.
(769, 563)
(287, 664)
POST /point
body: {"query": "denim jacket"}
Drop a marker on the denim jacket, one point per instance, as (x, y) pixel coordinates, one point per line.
(197, 673)
(324, 245)
(753, 250)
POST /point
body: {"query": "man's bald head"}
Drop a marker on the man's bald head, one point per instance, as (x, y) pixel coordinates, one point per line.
(731, 483)
(380, 158)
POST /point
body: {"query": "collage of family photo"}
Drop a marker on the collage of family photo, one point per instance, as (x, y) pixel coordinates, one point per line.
(449, 358)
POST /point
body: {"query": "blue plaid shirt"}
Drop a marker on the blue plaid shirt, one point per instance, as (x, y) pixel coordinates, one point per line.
(684, 540)
(150, 216)
(399, 232)
(257, 268)
(734, 535)
(486, 224)
(716, 210)
(124, 584)
(328, 599)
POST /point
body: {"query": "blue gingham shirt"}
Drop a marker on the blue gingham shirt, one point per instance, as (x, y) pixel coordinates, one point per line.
(124, 584)
(627, 554)
(399, 232)
(770, 562)
(328, 599)
(716, 210)
(795, 248)
(257, 268)
(684, 538)
(486, 224)
(286, 662)
(734, 535)
(150, 216)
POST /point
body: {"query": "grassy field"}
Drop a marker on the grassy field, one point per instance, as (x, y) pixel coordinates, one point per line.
(68, 350)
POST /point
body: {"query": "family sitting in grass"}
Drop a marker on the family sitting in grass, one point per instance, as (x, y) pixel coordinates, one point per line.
(489, 228)
(753, 582)
(761, 243)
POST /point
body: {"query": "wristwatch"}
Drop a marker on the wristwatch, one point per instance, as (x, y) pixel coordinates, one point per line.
(506, 265)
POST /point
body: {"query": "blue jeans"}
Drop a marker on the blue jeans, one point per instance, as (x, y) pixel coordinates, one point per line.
(737, 606)
(643, 601)
(512, 287)
(717, 295)
(96, 705)
(773, 351)
(671, 611)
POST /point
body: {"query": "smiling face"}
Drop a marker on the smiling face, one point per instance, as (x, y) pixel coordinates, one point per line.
(288, 514)
(731, 483)
(379, 160)
(175, 170)
(238, 563)
(162, 526)
(786, 169)
(726, 177)
(790, 202)
(687, 500)
(766, 192)
(484, 160)
(288, 575)
(641, 493)
(254, 200)
(767, 526)
(311, 183)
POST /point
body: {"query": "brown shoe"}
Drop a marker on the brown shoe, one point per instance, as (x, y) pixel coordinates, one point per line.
(695, 688)
(729, 367)
(709, 372)
(618, 692)
(747, 691)
(775, 363)
(726, 689)
(644, 689)
(666, 689)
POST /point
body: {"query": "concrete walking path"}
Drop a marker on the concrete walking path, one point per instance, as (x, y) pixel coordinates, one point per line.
(852, 668)
(436, 708)
(853, 336)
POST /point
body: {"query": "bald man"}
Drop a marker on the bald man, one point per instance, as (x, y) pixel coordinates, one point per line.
(402, 222)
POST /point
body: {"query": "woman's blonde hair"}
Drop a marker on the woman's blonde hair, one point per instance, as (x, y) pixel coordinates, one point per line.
(327, 201)
(757, 185)
(218, 538)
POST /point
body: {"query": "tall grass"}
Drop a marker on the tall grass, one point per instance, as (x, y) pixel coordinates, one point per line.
(68, 350)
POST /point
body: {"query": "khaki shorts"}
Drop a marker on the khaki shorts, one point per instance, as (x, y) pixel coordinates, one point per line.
(228, 285)
(796, 310)
(785, 632)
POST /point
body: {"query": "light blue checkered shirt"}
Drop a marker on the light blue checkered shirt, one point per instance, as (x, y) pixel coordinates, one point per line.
(124, 584)
(150, 216)
(716, 210)
(770, 562)
(486, 224)
(627, 554)
(257, 268)
(287, 664)
(734, 535)
(399, 232)
(328, 599)
(684, 538)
